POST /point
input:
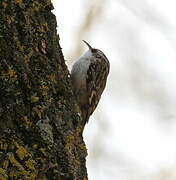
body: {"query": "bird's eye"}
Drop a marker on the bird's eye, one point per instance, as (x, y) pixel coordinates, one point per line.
(98, 56)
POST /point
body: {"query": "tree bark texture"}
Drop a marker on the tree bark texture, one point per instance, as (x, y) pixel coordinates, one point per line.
(40, 123)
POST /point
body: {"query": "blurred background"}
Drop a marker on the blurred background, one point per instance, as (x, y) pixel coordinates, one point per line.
(132, 134)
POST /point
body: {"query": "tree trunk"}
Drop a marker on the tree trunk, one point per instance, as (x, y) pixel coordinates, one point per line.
(40, 123)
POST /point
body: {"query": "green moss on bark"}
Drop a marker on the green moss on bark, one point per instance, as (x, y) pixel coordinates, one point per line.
(40, 126)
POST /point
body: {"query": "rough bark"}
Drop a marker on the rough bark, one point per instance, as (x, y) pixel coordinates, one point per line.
(40, 123)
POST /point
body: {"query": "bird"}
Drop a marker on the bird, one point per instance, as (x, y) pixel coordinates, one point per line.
(88, 78)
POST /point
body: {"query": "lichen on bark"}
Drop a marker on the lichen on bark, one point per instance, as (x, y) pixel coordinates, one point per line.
(40, 125)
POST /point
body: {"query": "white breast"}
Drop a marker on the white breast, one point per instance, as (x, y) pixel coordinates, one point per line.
(79, 71)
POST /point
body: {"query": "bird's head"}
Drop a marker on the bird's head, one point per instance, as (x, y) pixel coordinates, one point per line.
(96, 53)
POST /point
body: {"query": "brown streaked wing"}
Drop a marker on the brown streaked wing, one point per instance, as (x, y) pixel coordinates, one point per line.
(96, 82)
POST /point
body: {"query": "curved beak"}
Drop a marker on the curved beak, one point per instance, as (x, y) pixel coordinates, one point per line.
(89, 46)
